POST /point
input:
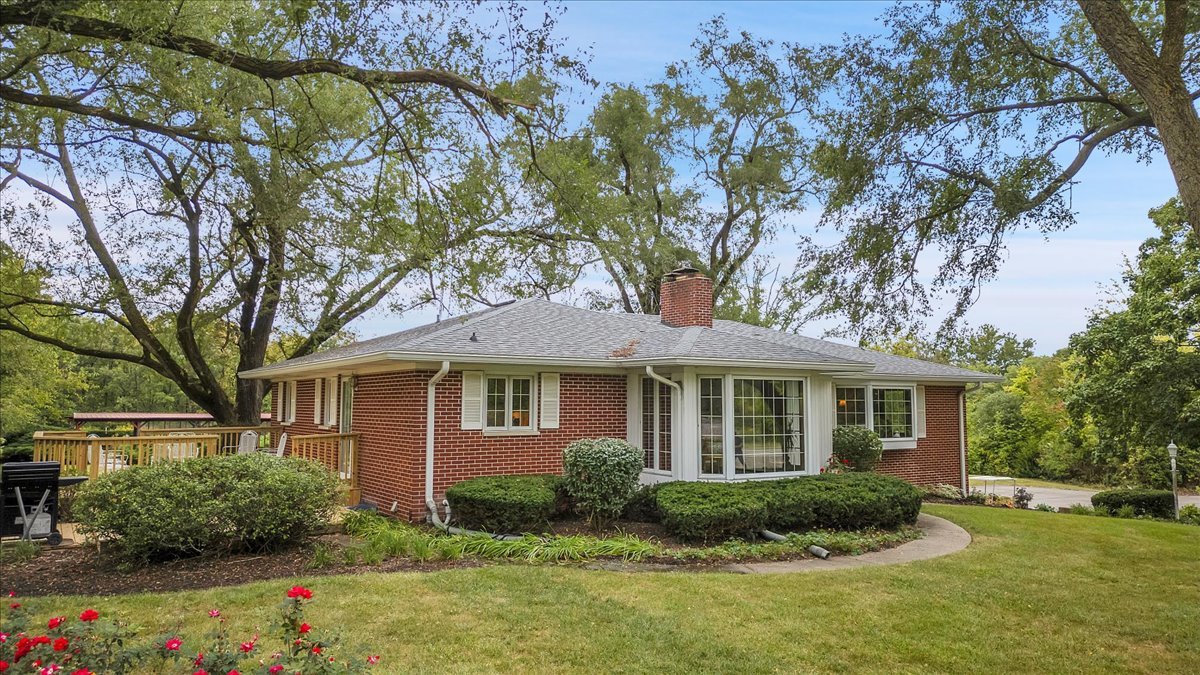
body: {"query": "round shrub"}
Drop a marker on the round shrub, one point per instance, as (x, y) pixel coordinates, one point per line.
(600, 476)
(1153, 503)
(504, 504)
(207, 505)
(711, 512)
(859, 446)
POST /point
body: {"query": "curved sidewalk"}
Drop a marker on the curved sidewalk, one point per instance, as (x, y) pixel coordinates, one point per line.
(942, 537)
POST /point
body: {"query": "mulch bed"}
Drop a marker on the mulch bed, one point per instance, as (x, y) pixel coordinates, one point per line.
(79, 570)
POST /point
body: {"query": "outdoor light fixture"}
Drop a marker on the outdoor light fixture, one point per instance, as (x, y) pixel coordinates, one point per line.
(1173, 452)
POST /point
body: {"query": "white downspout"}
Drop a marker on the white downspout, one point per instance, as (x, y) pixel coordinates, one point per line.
(962, 434)
(429, 424)
(670, 383)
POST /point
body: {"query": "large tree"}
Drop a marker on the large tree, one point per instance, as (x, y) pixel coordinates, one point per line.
(196, 171)
(704, 166)
(968, 121)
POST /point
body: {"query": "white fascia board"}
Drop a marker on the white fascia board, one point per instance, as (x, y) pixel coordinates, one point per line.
(341, 364)
(915, 378)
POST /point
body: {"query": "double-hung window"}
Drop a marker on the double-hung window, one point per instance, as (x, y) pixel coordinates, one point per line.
(889, 411)
(287, 402)
(508, 402)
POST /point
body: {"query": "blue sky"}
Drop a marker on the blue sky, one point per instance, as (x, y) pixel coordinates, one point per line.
(1046, 287)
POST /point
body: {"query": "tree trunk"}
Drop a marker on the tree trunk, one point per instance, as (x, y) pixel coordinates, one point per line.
(1158, 79)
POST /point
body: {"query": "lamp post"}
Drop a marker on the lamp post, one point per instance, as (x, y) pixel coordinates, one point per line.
(1173, 451)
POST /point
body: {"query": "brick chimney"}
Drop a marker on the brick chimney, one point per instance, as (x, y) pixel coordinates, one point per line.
(685, 298)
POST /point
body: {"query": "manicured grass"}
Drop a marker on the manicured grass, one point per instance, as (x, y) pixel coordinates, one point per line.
(1035, 592)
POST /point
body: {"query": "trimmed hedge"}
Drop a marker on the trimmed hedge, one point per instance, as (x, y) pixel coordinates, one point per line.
(601, 475)
(505, 504)
(1153, 503)
(711, 511)
(207, 505)
(718, 511)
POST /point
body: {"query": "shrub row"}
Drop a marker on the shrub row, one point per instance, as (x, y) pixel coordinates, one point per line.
(718, 511)
(1153, 503)
(207, 505)
(505, 504)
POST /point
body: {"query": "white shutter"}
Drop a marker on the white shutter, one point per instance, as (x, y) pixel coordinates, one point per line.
(331, 397)
(472, 399)
(317, 401)
(919, 411)
(277, 407)
(549, 404)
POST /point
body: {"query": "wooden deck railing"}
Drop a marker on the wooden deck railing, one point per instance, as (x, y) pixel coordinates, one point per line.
(338, 452)
(229, 435)
(94, 456)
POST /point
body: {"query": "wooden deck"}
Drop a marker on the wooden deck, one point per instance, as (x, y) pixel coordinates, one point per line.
(93, 456)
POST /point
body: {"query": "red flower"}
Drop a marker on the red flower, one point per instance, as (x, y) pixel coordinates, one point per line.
(214, 613)
(41, 640)
(300, 592)
(3, 638)
(275, 668)
(304, 628)
(61, 644)
(247, 647)
(373, 659)
(198, 660)
(56, 622)
(316, 649)
(83, 671)
(200, 672)
(50, 669)
(15, 605)
(89, 615)
(3, 666)
(173, 644)
(233, 672)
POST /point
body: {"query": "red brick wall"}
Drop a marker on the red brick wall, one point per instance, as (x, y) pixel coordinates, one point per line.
(686, 301)
(936, 458)
(389, 415)
(304, 411)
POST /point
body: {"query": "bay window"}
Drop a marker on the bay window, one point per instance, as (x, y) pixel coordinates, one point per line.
(768, 425)
(656, 424)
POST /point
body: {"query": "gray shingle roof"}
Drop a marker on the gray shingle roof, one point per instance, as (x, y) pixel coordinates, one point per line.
(543, 331)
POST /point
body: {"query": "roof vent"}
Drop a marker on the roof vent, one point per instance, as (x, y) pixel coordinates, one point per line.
(474, 337)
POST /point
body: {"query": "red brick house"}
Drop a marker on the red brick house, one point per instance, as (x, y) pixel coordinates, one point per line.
(504, 390)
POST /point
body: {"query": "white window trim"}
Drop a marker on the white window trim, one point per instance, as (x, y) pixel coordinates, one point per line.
(656, 432)
(904, 443)
(329, 392)
(287, 402)
(508, 429)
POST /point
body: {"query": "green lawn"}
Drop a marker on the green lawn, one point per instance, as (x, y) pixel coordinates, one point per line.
(1035, 592)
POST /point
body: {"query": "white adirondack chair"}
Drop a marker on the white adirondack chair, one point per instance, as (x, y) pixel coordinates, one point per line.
(282, 444)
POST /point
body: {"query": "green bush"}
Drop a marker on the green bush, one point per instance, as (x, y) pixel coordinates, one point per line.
(1153, 503)
(1189, 514)
(858, 445)
(711, 511)
(642, 507)
(504, 504)
(853, 501)
(207, 505)
(600, 476)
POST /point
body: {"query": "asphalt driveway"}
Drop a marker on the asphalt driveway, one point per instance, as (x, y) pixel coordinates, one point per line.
(1058, 497)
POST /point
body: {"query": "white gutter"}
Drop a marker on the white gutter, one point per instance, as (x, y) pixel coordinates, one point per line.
(962, 434)
(429, 424)
(670, 383)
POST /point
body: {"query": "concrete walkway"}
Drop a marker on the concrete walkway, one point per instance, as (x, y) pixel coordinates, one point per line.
(1062, 498)
(942, 537)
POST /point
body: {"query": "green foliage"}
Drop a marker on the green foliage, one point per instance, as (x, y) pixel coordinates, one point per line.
(858, 445)
(836, 542)
(1153, 503)
(711, 512)
(1081, 510)
(1125, 511)
(207, 505)
(1139, 384)
(642, 507)
(1189, 514)
(600, 476)
(504, 504)
(718, 511)
(18, 551)
(1045, 507)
